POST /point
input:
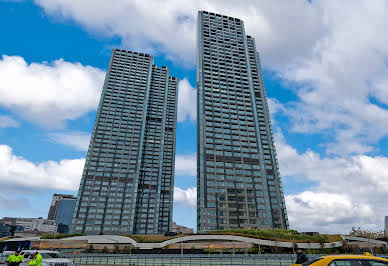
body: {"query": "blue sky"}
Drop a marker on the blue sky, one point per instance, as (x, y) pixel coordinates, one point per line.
(325, 73)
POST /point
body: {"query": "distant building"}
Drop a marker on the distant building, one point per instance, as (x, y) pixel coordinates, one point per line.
(28, 233)
(386, 224)
(5, 230)
(9, 230)
(181, 229)
(32, 224)
(64, 213)
(55, 203)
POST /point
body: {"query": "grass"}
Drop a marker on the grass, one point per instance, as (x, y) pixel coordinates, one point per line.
(151, 238)
(59, 236)
(279, 235)
(267, 234)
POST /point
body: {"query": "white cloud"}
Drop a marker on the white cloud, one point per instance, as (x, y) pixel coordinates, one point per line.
(169, 26)
(76, 139)
(147, 26)
(347, 67)
(333, 50)
(186, 164)
(187, 101)
(7, 121)
(49, 93)
(186, 197)
(328, 212)
(16, 171)
(349, 190)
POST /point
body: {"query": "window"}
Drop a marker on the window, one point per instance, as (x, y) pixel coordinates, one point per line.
(311, 261)
(346, 262)
(375, 263)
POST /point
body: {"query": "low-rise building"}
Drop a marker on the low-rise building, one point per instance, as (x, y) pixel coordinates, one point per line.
(176, 228)
(32, 224)
(9, 230)
(5, 230)
(23, 233)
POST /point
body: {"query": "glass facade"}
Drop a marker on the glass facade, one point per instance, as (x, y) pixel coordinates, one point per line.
(64, 214)
(54, 205)
(128, 178)
(238, 179)
(5, 230)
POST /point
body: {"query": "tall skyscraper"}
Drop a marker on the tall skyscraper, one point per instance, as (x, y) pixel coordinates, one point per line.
(54, 204)
(238, 179)
(128, 178)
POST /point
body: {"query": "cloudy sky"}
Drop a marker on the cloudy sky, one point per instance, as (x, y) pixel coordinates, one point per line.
(326, 73)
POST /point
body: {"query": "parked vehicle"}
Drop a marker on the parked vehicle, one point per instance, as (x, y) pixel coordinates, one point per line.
(50, 258)
(346, 260)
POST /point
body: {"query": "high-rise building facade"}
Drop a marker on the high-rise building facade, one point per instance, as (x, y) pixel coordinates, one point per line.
(386, 224)
(238, 182)
(64, 214)
(128, 178)
(54, 204)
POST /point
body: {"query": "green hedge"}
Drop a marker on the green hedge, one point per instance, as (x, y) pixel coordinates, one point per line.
(59, 236)
(279, 235)
(151, 238)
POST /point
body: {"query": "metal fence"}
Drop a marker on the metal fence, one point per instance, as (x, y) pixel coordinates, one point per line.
(188, 259)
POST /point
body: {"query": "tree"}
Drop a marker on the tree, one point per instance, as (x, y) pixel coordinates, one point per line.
(116, 250)
(127, 250)
(90, 249)
(105, 250)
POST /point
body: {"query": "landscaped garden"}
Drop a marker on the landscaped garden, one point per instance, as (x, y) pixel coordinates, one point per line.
(152, 238)
(279, 235)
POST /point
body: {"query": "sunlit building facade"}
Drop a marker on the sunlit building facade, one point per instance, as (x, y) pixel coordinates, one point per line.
(238, 181)
(128, 178)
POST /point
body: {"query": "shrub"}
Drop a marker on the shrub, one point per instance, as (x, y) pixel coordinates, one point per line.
(278, 235)
(90, 249)
(116, 250)
(59, 236)
(105, 250)
(127, 250)
(151, 238)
